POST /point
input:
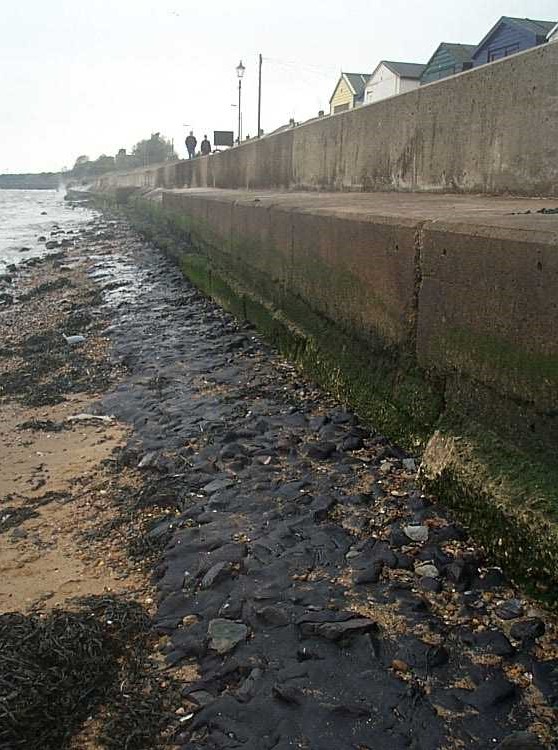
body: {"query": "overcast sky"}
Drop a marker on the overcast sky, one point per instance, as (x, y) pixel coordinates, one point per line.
(92, 77)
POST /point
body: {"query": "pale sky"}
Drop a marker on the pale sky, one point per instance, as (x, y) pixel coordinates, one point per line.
(92, 77)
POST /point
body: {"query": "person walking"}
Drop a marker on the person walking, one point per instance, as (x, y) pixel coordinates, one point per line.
(205, 147)
(191, 143)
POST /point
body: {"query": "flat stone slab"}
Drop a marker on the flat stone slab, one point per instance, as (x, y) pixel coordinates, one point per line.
(224, 635)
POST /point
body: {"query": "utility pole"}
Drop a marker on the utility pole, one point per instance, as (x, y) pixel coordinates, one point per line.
(259, 95)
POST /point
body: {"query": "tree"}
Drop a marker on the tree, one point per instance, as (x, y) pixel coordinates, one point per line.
(153, 150)
(84, 169)
(103, 164)
(81, 167)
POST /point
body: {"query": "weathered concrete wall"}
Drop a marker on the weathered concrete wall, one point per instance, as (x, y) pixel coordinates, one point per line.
(488, 307)
(466, 286)
(435, 316)
(492, 129)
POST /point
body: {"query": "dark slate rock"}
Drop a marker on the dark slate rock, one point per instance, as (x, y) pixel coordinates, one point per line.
(371, 574)
(288, 694)
(342, 417)
(352, 443)
(459, 572)
(528, 630)
(397, 537)
(490, 693)
(189, 646)
(321, 507)
(430, 584)
(324, 615)
(273, 616)
(348, 710)
(232, 450)
(295, 420)
(217, 485)
(334, 631)
(201, 697)
(316, 423)
(160, 530)
(409, 601)
(329, 433)
(216, 573)
(381, 552)
(494, 642)
(249, 687)
(493, 578)
(448, 533)
(435, 555)
(509, 610)
(421, 655)
(320, 451)
(295, 671)
(292, 490)
(405, 562)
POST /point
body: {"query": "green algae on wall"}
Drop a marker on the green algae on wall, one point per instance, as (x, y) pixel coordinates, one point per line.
(493, 359)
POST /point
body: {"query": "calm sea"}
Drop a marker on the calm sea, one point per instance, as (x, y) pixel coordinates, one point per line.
(23, 220)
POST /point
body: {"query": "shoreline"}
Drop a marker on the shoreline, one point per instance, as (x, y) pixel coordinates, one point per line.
(268, 539)
(64, 500)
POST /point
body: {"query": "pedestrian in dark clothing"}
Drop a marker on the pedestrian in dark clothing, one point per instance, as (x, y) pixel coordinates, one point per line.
(205, 147)
(191, 143)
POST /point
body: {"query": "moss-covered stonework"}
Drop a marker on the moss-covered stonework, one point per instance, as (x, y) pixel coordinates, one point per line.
(506, 495)
(484, 457)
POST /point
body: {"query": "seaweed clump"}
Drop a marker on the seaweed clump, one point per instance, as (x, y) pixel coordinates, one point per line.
(57, 670)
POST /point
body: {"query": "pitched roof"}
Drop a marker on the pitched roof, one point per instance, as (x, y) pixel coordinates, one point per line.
(461, 53)
(539, 28)
(404, 69)
(356, 81)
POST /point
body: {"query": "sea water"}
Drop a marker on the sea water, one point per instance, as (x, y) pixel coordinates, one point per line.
(26, 215)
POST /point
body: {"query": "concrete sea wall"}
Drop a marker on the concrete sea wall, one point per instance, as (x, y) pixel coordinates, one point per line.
(490, 130)
(434, 317)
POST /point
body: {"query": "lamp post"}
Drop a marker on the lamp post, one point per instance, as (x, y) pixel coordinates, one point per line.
(240, 72)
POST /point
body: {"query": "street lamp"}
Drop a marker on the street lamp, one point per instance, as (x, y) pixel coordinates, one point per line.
(240, 72)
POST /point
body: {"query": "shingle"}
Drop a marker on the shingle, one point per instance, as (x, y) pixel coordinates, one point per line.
(536, 27)
(405, 69)
(357, 81)
(460, 52)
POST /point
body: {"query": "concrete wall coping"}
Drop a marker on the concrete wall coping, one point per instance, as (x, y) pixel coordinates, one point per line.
(484, 215)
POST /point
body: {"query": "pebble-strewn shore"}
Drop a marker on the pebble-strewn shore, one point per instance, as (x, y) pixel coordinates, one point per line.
(308, 594)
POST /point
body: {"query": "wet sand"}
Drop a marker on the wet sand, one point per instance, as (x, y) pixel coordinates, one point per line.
(301, 590)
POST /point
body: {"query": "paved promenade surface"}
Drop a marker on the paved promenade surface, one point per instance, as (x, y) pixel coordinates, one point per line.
(325, 602)
(523, 215)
